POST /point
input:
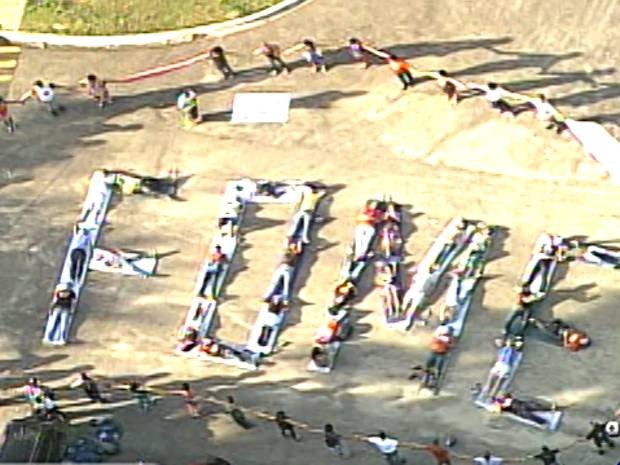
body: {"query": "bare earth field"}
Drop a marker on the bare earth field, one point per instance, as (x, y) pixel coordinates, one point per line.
(353, 130)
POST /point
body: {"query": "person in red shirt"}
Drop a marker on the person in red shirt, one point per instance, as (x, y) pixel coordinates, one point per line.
(5, 116)
(441, 455)
(365, 229)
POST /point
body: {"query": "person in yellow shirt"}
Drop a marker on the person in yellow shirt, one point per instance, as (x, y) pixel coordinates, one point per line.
(308, 201)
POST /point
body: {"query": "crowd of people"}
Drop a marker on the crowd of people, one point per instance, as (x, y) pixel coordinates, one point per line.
(43, 403)
(505, 101)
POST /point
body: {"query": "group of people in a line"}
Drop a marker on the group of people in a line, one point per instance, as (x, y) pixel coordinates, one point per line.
(504, 100)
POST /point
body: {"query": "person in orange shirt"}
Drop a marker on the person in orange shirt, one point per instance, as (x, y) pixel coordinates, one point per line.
(440, 346)
(214, 268)
(402, 69)
(441, 455)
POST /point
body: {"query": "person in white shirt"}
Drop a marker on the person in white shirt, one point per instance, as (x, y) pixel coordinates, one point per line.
(488, 459)
(496, 96)
(547, 113)
(388, 447)
(44, 93)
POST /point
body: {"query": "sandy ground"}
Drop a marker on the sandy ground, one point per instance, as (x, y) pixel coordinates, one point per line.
(354, 131)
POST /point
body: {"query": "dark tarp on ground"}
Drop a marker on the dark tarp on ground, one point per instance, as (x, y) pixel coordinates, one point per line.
(31, 441)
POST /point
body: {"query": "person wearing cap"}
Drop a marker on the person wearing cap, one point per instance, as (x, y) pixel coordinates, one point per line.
(387, 446)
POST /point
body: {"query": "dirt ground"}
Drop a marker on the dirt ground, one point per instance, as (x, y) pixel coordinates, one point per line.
(353, 130)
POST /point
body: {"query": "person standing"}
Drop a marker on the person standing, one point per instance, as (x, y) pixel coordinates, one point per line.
(388, 447)
(97, 89)
(547, 456)
(236, 413)
(488, 459)
(187, 103)
(141, 395)
(189, 399)
(441, 455)
(311, 53)
(286, 427)
(221, 63)
(599, 436)
(333, 441)
(497, 97)
(5, 116)
(358, 52)
(44, 93)
(273, 53)
(90, 387)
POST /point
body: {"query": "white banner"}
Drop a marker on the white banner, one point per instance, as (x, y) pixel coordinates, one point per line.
(260, 107)
(599, 144)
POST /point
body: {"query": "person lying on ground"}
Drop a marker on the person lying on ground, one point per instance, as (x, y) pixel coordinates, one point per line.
(457, 240)
(344, 292)
(391, 300)
(273, 53)
(281, 279)
(78, 254)
(365, 229)
(390, 239)
(521, 314)
(567, 336)
(214, 267)
(189, 340)
(64, 296)
(320, 356)
(521, 408)
(594, 254)
(502, 369)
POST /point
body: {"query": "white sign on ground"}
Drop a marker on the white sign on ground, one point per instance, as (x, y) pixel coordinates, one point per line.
(260, 107)
(599, 144)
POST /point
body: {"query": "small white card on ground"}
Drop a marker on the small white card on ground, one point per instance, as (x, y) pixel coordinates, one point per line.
(260, 107)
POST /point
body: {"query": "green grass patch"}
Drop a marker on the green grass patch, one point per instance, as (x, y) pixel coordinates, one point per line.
(102, 17)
